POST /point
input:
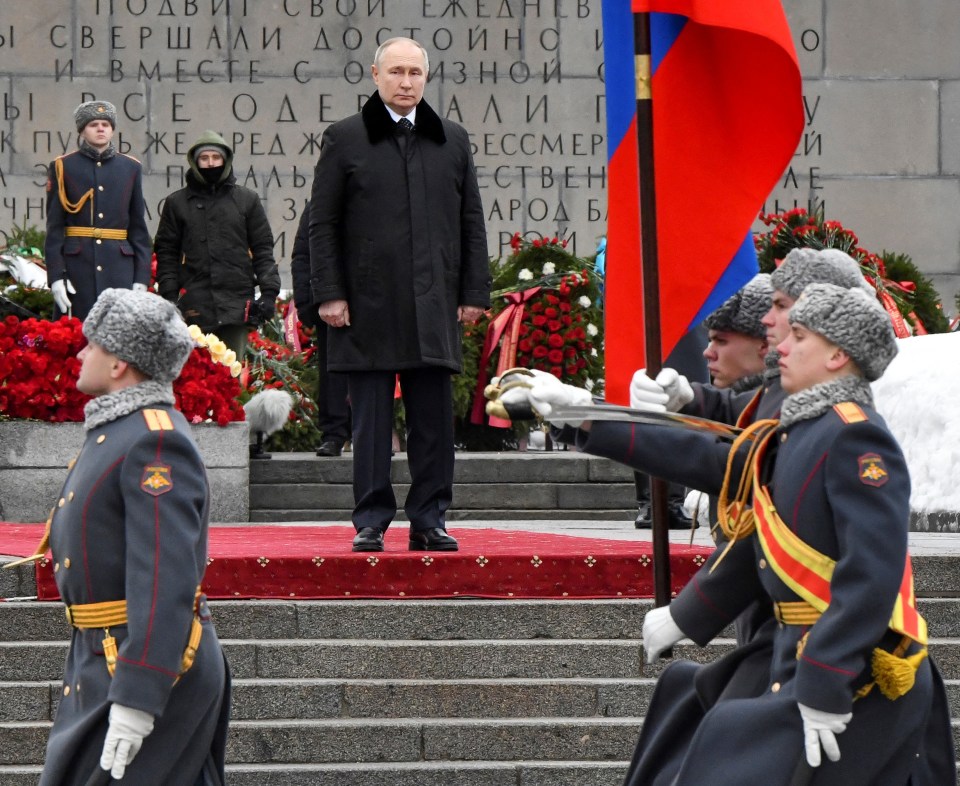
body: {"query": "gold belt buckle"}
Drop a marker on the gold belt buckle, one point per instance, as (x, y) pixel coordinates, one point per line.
(69, 615)
(97, 233)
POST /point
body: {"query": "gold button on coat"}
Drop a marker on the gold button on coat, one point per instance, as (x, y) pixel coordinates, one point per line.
(101, 438)
(775, 688)
(763, 563)
(66, 562)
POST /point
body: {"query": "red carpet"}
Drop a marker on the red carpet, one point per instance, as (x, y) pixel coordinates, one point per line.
(316, 562)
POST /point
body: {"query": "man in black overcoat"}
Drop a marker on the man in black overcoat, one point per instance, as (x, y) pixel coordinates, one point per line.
(399, 257)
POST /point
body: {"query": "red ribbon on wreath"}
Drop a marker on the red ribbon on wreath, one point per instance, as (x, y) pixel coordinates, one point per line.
(505, 325)
(900, 327)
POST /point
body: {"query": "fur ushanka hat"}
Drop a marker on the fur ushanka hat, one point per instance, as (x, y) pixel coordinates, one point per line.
(742, 311)
(141, 328)
(851, 319)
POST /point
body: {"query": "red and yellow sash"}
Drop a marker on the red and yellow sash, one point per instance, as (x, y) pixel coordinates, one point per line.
(808, 572)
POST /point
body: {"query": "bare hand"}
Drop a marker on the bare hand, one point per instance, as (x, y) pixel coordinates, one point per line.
(469, 314)
(336, 313)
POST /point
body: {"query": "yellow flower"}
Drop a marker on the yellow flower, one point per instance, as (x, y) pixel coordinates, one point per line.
(229, 357)
(197, 335)
(218, 349)
(235, 368)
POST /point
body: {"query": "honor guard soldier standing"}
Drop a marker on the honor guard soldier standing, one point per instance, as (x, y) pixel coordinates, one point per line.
(145, 694)
(97, 234)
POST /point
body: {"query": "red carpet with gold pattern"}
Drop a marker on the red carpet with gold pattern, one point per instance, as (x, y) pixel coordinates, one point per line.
(313, 562)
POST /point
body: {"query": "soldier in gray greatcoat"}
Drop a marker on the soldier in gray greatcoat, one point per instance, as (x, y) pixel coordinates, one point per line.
(97, 235)
(146, 687)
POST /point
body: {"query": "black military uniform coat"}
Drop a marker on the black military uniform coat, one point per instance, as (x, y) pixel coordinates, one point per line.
(402, 240)
(816, 475)
(131, 523)
(95, 264)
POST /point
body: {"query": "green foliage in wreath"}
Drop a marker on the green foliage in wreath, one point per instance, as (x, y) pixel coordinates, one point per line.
(799, 229)
(925, 301)
(26, 242)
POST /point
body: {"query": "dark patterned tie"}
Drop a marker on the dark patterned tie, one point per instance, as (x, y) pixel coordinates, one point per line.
(404, 129)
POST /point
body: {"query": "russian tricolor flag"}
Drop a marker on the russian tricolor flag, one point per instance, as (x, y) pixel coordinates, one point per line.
(727, 117)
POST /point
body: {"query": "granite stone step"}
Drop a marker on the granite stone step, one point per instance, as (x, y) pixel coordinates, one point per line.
(326, 515)
(391, 740)
(432, 620)
(401, 659)
(294, 698)
(421, 773)
(466, 496)
(558, 466)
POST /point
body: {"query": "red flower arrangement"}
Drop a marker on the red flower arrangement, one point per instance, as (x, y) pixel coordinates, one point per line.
(545, 315)
(39, 370)
(553, 338)
(206, 390)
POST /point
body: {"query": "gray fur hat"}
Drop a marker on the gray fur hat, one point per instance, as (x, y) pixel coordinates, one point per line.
(851, 319)
(742, 312)
(94, 110)
(141, 328)
(803, 266)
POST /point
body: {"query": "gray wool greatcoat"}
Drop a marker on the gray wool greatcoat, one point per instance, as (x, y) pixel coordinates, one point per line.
(91, 264)
(131, 523)
(401, 240)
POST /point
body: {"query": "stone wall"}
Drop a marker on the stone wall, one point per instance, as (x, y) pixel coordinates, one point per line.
(34, 455)
(882, 91)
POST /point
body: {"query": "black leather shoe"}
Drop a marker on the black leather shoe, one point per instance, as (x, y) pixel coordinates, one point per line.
(678, 518)
(435, 539)
(644, 516)
(330, 447)
(368, 539)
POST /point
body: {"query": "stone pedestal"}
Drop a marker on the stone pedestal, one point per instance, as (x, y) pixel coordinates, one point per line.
(34, 457)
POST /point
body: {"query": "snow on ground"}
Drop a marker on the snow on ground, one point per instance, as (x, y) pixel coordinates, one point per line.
(919, 397)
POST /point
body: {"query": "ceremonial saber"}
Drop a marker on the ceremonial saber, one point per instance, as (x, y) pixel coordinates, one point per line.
(612, 412)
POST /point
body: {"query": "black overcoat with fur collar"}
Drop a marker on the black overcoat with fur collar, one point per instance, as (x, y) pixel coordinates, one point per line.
(401, 239)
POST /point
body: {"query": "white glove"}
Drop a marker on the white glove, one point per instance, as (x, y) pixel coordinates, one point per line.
(548, 392)
(697, 506)
(678, 390)
(60, 288)
(646, 394)
(139, 287)
(821, 729)
(660, 633)
(125, 735)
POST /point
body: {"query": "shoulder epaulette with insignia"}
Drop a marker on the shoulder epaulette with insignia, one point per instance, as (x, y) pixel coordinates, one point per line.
(158, 420)
(850, 412)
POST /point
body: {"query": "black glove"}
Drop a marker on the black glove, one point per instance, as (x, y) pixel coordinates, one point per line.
(264, 309)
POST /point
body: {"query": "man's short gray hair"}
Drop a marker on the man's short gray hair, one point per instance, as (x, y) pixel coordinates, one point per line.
(391, 41)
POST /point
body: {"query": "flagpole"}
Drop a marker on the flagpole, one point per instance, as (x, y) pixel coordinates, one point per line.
(651, 285)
